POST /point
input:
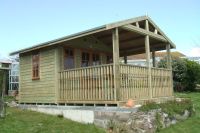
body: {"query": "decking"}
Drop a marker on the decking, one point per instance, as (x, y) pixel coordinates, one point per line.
(96, 84)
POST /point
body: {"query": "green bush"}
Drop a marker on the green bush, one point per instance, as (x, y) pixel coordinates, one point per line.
(192, 76)
(186, 73)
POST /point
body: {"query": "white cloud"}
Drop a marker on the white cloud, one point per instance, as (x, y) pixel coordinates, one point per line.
(195, 52)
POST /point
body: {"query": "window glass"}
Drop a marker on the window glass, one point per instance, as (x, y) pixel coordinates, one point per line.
(85, 59)
(69, 59)
(109, 59)
(95, 59)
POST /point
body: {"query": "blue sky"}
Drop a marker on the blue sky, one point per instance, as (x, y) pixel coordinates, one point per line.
(24, 23)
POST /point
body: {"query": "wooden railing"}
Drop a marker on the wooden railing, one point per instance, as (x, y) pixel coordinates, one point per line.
(161, 82)
(96, 83)
(134, 82)
(87, 84)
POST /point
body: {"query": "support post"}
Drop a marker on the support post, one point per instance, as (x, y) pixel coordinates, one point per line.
(169, 65)
(116, 71)
(153, 58)
(125, 59)
(147, 50)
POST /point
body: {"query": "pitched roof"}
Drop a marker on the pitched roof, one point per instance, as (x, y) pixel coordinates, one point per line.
(96, 30)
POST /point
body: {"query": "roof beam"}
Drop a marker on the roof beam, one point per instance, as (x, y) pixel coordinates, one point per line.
(132, 28)
(138, 50)
(132, 39)
(121, 23)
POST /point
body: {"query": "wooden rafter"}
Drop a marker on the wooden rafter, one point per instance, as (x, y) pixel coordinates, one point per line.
(138, 50)
(141, 31)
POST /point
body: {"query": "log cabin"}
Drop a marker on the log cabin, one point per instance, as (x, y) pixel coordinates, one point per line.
(86, 67)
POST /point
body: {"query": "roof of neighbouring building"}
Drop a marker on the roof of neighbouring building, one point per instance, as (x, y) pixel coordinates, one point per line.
(157, 54)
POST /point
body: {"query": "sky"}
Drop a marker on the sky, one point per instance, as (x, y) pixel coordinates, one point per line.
(24, 23)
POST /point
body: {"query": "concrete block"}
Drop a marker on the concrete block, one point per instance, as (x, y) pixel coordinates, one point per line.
(101, 123)
(83, 116)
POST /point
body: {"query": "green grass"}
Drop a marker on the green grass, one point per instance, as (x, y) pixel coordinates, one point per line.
(9, 98)
(191, 125)
(24, 121)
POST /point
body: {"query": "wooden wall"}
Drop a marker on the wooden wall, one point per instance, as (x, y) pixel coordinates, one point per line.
(43, 89)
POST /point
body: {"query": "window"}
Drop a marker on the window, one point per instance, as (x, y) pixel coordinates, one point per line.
(109, 59)
(36, 66)
(85, 59)
(69, 59)
(95, 59)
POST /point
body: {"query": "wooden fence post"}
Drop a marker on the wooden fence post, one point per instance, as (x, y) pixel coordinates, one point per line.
(147, 49)
(169, 66)
(116, 71)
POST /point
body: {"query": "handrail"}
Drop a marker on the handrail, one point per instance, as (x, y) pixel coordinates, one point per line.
(88, 67)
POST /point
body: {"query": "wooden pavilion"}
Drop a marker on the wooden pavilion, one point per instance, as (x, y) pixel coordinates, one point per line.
(85, 68)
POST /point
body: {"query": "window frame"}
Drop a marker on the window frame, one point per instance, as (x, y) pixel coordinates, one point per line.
(94, 59)
(91, 53)
(89, 58)
(35, 68)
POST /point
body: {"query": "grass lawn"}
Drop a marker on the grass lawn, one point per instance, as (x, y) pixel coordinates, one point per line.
(24, 121)
(192, 125)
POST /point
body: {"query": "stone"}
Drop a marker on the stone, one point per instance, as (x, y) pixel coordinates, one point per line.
(178, 117)
(12, 104)
(178, 99)
(101, 123)
(165, 115)
(173, 121)
(123, 116)
(186, 114)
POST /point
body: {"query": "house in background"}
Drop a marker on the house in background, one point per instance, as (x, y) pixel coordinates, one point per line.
(4, 68)
(11, 66)
(140, 59)
(196, 59)
(85, 68)
(14, 76)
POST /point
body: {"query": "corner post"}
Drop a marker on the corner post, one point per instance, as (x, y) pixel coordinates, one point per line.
(169, 66)
(147, 50)
(116, 70)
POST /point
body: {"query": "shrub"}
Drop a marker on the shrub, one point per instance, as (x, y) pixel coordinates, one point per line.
(186, 73)
(192, 76)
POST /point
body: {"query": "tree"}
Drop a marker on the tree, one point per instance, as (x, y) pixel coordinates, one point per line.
(2, 91)
(192, 75)
(186, 73)
(179, 69)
